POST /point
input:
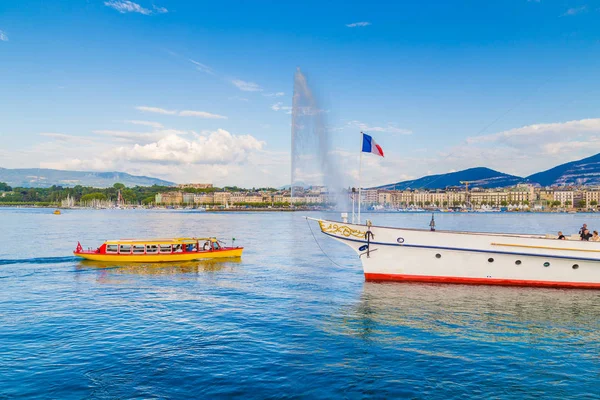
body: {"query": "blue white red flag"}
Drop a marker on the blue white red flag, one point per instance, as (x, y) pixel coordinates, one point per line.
(369, 146)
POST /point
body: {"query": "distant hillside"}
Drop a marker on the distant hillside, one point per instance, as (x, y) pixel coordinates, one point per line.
(581, 172)
(477, 177)
(40, 177)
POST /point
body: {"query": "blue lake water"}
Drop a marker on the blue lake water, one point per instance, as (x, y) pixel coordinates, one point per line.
(283, 321)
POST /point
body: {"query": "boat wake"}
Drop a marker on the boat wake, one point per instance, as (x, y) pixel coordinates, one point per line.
(39, 260)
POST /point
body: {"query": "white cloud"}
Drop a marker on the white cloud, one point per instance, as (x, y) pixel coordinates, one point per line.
(3, 37)
(125, 6)
(246, 86)
(358, 24)
(202, 67)
(556, 148)
(160, 10)
(280, 107)
(156, 110)
(390, 128)
(574, 11)
(62, 137)
(219, 147)
(238, 98)
(139, 137)
(200, 114)
(184, 113)
(276, 94)
(534, 133)
(156, 125)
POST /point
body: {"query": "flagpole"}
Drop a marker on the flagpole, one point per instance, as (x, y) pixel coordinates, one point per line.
(359, 175)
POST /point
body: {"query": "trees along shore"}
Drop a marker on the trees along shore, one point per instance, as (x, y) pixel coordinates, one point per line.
(82, 195)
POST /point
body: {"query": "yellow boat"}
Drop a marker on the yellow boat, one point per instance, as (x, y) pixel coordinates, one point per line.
(158, 250)
(56, 212)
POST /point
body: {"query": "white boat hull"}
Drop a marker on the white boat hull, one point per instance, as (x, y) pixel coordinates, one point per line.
(394, 254)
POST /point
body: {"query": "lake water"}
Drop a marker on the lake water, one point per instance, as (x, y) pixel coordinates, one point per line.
(284, 321)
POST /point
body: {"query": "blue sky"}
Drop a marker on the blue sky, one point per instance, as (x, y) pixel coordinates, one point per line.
(200, 91)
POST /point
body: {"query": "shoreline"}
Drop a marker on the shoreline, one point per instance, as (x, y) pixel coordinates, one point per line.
(260, 209)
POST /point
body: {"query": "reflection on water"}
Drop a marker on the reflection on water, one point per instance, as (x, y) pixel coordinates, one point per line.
(474, 313)
(187, 267)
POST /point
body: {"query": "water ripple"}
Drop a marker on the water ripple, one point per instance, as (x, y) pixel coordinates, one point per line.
(282, 322)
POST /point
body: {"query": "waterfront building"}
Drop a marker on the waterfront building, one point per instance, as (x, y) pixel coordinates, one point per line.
(592, 198)
(313, 198)
(254, 197)
(565, 197)
(238, 198)
(385, 197)
(188, 198)
(169, 198)
(369, 196)
(222, 198)
(204, 198)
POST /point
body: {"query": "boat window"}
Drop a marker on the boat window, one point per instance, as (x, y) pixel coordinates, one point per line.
(112, 248)
(438, 255)
(546, 264)
(490, 260)
(165, 248)
(216, 246)
(125, 249)
(151, 249)
(575, 266)
(139, 249)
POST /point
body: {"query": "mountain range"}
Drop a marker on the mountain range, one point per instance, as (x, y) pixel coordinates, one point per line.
(41, 178)
(584, 172)
(581, 172)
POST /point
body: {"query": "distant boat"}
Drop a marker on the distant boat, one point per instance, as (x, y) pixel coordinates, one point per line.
(158, 250)
(56, 212)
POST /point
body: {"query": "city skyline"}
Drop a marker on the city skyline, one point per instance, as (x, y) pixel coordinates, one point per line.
(202, 92)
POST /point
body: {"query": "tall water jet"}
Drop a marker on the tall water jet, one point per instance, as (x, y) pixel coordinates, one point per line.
(312, 161)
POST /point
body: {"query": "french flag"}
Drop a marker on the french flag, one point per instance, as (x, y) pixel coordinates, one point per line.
(369, 146)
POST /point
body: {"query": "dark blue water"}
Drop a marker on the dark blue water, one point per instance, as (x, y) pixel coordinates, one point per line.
(283, 322)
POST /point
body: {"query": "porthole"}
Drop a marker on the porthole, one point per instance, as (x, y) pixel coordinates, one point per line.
(518, 262)
(575, 266)
(546, 264)
(438, 255)
(490, 260)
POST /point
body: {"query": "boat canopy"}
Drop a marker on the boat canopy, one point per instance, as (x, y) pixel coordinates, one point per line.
(160, 241)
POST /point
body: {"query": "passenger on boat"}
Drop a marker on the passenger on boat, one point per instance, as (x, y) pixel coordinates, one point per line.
(595, 237)
(561, 236)
(583, 228)
(206, 246)
(178, 249)
(586, 235)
